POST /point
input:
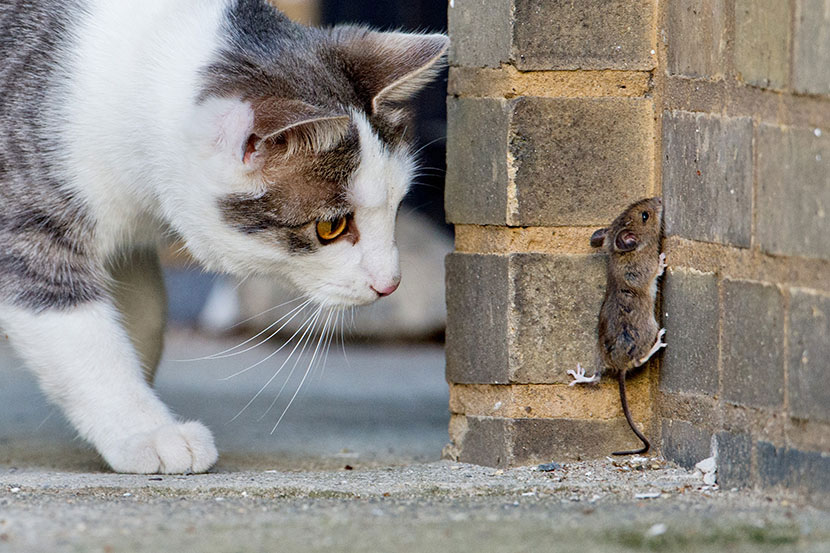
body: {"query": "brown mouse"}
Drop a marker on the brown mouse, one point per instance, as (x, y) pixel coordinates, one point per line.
(628, 331)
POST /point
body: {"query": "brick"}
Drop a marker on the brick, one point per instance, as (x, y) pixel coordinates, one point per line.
(477, 307)
(697, 38)
(808, 471)
(481, 32)
(734, 459)
(753, 349)
(684, 443)
(690, 315)
(552, 401)
(501, 442)
(793, 191)
(554, 313)
(547, 161)
(590, 34)
(540, 440)
(485, 442)
(476, 182)
(811, 72)
(762, 42)
(579, 161)
(809, 359)
(509, 82)
(521, 318)
(552, 34)
(707, 177)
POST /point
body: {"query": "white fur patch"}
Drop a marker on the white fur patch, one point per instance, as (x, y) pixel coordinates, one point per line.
(91, 371)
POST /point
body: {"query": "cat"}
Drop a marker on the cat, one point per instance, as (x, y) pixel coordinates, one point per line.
(268, 147)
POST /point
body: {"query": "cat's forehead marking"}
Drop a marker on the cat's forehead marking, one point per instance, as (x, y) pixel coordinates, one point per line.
(382, 178)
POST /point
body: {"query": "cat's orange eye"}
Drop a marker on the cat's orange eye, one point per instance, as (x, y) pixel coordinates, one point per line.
(329, 230)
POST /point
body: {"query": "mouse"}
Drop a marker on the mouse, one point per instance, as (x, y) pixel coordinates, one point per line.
(628, 332)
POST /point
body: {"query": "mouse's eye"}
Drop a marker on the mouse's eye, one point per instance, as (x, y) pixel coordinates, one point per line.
(329, 230)
(645, 216)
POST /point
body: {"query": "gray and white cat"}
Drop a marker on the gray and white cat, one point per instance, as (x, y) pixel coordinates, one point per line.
(268, 147)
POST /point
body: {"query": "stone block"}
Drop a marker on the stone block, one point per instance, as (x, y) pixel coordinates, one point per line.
(690, 316)
(521, 318)
(762, 42)
(707, 177)
(811, 72)
(500, 442)
(685, 443)
(807, 471)
(476, 182)
(809, 359)
(552, 34)
(547, 161)
(590, 34)
(541, 440)
(793, 191)
(697, 38)
(481, 32)
(734, 460)
(579, 161)
(553, 314)
(485, 441)
(753, 344)
(478, 301)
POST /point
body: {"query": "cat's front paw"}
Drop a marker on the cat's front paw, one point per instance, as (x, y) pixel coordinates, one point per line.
(171, 449)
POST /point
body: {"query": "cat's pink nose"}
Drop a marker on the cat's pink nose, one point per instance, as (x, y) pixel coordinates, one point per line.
(385, 291)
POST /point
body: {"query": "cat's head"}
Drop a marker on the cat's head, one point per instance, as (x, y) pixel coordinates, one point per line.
(306, 157)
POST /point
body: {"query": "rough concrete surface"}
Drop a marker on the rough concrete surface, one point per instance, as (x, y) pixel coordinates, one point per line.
(353, 467)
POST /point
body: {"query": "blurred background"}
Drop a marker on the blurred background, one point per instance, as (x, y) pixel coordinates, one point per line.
(219, 305)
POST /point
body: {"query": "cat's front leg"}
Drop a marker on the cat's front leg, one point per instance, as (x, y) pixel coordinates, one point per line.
(87, 365)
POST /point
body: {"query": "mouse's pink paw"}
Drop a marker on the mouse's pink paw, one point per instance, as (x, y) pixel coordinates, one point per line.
(662, 264)
(580, 378)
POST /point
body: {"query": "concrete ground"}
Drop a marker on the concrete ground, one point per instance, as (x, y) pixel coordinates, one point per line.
(354, 466)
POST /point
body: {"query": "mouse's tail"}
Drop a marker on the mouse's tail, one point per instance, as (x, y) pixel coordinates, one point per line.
(624, 400)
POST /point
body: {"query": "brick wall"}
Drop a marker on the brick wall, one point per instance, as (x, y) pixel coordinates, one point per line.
(560, 114)
(744, 90)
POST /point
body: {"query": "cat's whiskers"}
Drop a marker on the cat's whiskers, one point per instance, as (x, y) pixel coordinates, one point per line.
(327, 347)
(439, 170)
(230, 351)
(425, 185)
(252, 317)
(428, 144)
(308, 324)
(417, 207)
(273, 353)
(308, 369)
(307, 341)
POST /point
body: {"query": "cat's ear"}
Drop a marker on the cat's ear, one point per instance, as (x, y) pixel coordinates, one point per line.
(290, 126)
(389, 67)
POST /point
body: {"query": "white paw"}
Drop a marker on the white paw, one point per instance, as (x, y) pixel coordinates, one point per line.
(580, 378)
(171, 449)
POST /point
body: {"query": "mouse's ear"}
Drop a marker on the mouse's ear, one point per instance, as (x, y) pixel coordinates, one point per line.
(625, 241)
(598, 237)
